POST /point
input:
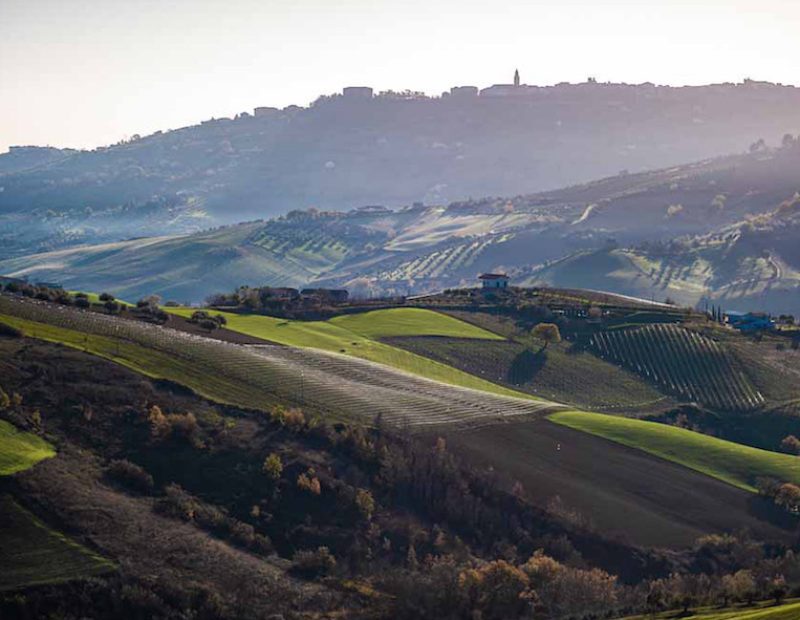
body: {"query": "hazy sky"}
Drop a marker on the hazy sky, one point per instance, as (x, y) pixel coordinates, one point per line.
(84, 73)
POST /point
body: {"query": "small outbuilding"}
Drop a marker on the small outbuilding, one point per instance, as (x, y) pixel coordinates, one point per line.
(494, 280)
(750, 321)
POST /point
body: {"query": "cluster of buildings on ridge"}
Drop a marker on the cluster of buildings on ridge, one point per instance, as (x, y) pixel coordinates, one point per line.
(515, 89)
(364, 93)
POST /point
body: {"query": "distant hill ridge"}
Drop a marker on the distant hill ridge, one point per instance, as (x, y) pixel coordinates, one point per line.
(393, 149)
(717, 230)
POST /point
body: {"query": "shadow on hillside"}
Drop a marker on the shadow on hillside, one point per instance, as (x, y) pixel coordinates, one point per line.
(766, 510)
(525, 366)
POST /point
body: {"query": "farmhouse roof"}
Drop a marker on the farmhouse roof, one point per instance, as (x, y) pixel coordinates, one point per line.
(492, 276)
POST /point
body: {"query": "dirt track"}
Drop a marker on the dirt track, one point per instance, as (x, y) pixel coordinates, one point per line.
(627, 493)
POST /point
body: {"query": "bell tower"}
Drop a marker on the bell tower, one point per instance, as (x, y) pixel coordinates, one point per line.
(516, 77)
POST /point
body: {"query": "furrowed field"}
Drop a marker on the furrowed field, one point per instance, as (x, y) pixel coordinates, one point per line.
(355, 336)
(681, 361)
(257, 377)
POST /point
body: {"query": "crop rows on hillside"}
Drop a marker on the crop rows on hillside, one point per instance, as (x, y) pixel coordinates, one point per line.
(322, 381)
(684, 362)
(440, 263)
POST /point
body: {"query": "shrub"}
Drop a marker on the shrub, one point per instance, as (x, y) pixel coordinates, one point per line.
(273, 467)
(5, 400)
(177, 503)
(242, 534)
(309, 482)
(159, 425)
(183, 426)
(787, 496)
(498, 589)
(312, 564)
(106, 297)
(63, 298)
(293, 418)
(82, 302)
(791, 444)
(548, 332)
(365, 503)
(130, 475)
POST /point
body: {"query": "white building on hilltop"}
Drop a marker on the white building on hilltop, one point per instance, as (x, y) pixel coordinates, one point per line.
(494, 280)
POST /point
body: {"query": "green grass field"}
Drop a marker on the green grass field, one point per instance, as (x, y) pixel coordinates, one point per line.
(730, 462)
(32, 554)
(351, 339)
(760, 611)
(20, 450)
(410, 322)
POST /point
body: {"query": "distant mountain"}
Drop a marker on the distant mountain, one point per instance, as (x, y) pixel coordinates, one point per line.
(393, 150)
(723, 229)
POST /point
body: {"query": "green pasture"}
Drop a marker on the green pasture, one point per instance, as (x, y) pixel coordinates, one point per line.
(730, 462)
(20, 450)
(395, 322)
(760, 611)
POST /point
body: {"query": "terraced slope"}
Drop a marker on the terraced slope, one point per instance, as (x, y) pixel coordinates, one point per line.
(333, 384)
(32, 554)
(683, 362)
(20, 450)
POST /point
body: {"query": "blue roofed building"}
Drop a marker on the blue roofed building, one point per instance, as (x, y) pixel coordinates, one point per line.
(749, 321)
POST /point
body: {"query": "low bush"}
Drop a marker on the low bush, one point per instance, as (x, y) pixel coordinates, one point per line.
(130, 475)
(313, 564)
(180, 504)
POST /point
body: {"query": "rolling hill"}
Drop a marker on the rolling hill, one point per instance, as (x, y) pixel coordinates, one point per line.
(393, 149)
(720, 230)
(555, 455)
